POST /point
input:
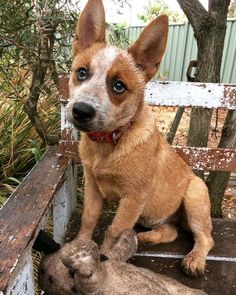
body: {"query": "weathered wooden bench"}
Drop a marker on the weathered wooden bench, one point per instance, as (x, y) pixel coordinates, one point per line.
(51, 187)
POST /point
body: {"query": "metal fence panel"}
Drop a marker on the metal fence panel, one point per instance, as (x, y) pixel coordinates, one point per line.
(182, 48)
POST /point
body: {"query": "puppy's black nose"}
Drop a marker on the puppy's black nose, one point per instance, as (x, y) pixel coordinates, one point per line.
(83, 112)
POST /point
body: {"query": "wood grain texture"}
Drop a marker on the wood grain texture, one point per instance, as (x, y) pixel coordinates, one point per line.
(208, 159)
(21, 217)
(198, 158)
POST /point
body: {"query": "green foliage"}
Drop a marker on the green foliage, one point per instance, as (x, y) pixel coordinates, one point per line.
(35, 149)
(157, 7)
(117, 36)
(232, 9)
(22, 25)
(20, 145)
(21, 32)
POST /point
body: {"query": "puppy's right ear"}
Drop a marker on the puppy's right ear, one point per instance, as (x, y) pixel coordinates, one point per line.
(148, 50)
(90, 26)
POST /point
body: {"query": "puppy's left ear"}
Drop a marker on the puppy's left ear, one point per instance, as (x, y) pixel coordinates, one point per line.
(90, 26)
(148, 50)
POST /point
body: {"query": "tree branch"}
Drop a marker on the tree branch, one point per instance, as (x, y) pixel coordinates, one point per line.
(218, 6)
(196, 14)
(38, 78)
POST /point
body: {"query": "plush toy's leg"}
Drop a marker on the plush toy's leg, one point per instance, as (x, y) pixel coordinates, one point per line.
(125, 247)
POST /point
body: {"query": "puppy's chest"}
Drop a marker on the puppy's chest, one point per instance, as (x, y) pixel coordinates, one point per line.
(109, 178)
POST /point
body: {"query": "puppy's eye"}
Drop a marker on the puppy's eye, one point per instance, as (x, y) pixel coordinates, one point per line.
(119, 87)
(82, 73)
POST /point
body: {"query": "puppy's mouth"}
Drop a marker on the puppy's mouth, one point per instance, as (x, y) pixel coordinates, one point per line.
(82, 127)
(88, 126)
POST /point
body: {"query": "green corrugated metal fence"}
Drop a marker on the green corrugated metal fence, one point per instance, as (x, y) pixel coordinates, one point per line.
(182, 48)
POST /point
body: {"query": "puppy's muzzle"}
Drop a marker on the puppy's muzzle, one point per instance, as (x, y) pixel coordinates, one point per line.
(83, 112)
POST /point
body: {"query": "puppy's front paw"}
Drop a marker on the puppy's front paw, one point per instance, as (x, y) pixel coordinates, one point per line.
(193, 264)
(108, 243)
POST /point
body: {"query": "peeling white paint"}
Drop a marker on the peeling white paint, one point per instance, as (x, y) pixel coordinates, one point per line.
(208, 95)
(65, 125)
(14, 265)
(180, 256)
(203, 159)
(24, 282)
(63, 205)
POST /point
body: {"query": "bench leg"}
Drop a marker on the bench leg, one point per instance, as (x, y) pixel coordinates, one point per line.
(64, 204)
(24, 282)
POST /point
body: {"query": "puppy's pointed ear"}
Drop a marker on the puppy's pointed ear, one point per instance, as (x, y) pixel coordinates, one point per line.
(90, 27)
(150, 46)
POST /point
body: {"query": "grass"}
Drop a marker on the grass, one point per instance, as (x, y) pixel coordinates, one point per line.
(20, 145)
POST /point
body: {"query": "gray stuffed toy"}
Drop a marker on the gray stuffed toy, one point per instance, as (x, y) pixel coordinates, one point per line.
(78, 268)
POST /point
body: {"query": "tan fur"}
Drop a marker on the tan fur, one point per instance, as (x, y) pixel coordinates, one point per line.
(142, 172)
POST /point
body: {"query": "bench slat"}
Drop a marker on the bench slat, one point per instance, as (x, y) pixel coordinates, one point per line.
(22, 216)
(172, 93)
(198, 158)
(207, 95)
(208, 159)
(218, 279)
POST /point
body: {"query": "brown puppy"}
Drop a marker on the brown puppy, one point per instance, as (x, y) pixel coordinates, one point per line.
(125, 158)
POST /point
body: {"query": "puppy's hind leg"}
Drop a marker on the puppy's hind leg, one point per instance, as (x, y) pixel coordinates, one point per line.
(197, 209)
(163, 233)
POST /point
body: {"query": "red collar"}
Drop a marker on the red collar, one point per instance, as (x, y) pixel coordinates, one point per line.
(109, 137)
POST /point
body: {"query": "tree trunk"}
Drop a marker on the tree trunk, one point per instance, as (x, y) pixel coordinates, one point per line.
(209, 29)
(217, 180)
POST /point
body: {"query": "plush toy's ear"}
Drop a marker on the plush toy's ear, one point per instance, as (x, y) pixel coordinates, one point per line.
(90, 26)
(150, 46)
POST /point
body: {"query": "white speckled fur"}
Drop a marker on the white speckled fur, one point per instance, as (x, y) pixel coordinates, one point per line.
(94, 91)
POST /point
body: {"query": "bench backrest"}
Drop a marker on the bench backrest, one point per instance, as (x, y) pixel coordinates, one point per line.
(207, 95)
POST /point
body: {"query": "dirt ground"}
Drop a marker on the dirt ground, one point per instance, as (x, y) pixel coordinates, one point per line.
(165, 116)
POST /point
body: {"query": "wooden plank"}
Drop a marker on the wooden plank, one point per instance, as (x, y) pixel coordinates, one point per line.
(63, 88)
(22, 215)
(191, 94)
(198, 158)
(219, 277)
(68, 131)
(65, 200)
(24, 282)
(172, 93)
(224, 234)
(64, 204)
(208, 159)
(69, 148)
